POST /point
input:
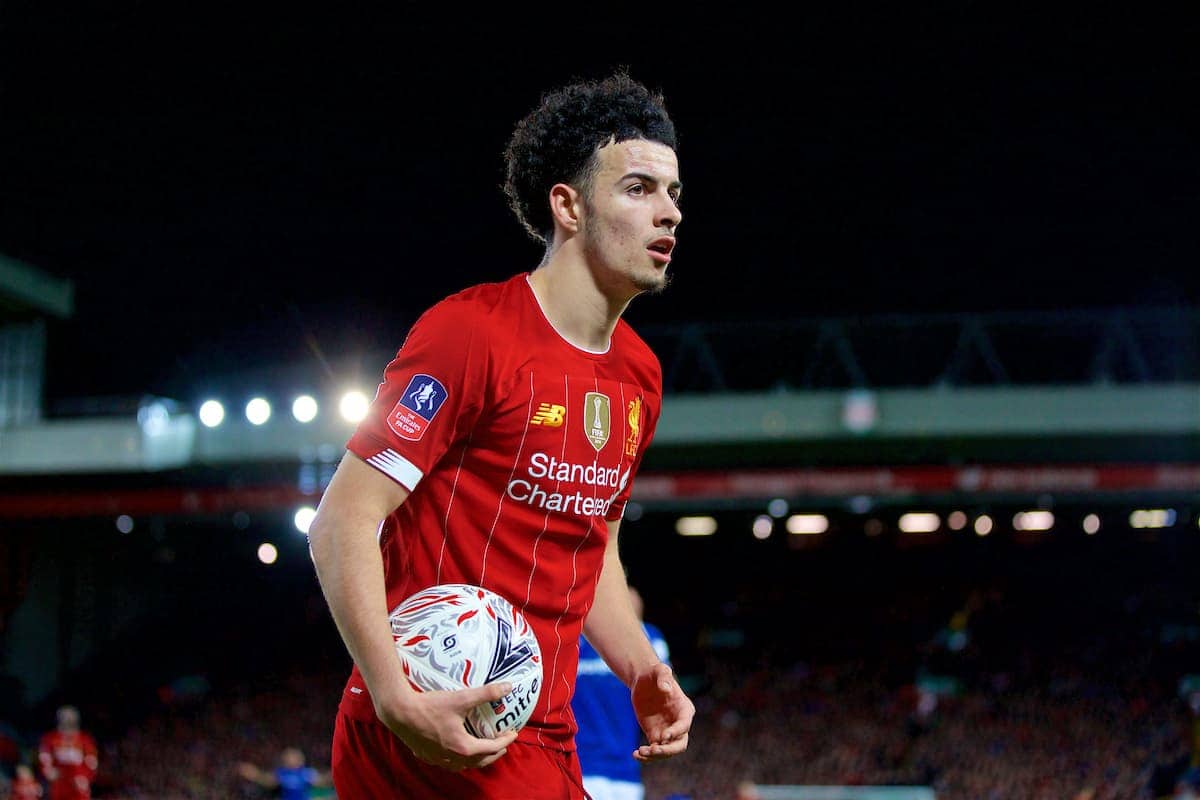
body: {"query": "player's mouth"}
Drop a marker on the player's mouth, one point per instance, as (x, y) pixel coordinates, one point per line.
(660, 249)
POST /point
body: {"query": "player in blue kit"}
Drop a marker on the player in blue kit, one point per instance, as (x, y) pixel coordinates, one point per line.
(608, 730)
(291, 777)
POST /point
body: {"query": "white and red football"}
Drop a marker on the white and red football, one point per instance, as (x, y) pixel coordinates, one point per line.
(455, 636)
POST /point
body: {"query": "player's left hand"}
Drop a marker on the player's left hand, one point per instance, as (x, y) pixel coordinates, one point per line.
(664, 712)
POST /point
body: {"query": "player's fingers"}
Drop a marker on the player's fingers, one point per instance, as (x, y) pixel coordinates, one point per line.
(468, 698)
(656, 752)
(490, 759)
(472, 747)
(676, 729)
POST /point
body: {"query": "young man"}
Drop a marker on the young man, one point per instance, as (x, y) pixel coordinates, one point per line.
(500, 451)
(608, 729)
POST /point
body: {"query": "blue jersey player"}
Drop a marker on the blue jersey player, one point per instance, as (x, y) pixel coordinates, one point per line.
(292, 777)
(608, 730)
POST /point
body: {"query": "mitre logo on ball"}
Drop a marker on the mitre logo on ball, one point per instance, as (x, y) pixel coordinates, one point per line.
(456, 636)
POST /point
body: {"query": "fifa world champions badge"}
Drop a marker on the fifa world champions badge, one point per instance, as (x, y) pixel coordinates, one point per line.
(419, 403)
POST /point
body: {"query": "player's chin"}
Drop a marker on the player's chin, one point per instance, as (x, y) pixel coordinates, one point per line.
(653, 281)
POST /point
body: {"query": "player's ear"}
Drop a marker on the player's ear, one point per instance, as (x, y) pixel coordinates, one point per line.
(566, 206)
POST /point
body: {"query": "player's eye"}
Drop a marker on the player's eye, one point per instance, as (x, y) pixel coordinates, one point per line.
(637, 188)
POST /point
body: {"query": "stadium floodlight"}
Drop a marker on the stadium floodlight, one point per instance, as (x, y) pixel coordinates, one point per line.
(807, 524)
(983, 525)
(212, 413)
(304, 408)
(778, 508)
(762, 527)
(353, 406)
(919, 522)
(267, 553)
(1152, 518)
(1033, 521)
(696, 526)
(956, 521)
(304, 517)
(124, 523)
(1091, 524)
(258, 411)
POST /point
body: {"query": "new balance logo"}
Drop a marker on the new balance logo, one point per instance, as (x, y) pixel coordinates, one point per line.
(549, 414)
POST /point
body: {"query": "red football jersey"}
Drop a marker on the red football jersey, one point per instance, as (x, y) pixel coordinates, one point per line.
(69, 756)
(516, 447)
(26, 789)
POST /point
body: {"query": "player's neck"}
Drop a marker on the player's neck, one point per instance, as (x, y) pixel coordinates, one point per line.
(574, 303)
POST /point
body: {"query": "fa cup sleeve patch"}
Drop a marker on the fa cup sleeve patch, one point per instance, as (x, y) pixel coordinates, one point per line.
(418, 405)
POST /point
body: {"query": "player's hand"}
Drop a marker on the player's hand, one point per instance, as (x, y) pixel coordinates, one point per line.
(432, 725)
(664, 712)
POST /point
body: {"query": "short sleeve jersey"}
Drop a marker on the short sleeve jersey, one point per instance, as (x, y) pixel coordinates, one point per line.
(516, 448)
(294, 782)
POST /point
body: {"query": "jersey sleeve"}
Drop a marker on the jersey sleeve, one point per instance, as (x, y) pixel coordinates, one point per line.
(430, 398)
(91, 756)
(648, 413)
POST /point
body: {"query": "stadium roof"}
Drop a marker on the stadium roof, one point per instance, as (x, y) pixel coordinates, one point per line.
(26, 290)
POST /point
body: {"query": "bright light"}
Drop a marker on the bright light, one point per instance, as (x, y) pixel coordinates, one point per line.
(212, 413)
(1152, 518)
(983, 525)
(154, 418)
(353, 406)
(956, 521)
(919, 522)
(1091, 524)
(267, 553)
(304, 517)
(124, 523)
(258, 411)
(1033, 521)
(763, 525)
(304, 408)
(778, 508)
(696, 526)
(807, 524)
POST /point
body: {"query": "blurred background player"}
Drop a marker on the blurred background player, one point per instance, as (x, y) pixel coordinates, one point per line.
(25, 786)
(292, 777)
(68, 758)
(608, 729)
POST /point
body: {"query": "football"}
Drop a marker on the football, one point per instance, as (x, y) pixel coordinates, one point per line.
(455, 636)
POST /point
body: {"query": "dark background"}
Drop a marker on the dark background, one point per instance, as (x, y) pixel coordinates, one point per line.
(231, 188)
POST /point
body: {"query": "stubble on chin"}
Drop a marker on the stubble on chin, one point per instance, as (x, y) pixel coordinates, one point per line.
(656, 285)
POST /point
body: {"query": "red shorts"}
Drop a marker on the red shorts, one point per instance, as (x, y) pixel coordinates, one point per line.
(371, 763)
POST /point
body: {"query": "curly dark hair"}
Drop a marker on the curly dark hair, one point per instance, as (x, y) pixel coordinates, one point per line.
(557, 141)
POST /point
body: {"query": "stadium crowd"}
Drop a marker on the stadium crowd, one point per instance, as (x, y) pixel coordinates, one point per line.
(1026, 686)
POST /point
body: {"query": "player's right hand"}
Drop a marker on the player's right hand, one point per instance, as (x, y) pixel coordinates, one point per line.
(433, 726)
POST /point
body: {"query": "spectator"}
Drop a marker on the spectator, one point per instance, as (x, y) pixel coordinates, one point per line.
(25, 785)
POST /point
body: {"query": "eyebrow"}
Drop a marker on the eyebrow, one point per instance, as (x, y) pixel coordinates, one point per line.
(676, 185)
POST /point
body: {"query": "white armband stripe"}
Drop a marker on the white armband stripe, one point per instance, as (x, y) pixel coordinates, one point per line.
(398, 468)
